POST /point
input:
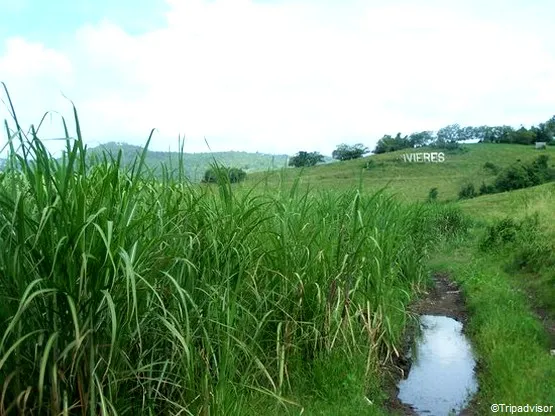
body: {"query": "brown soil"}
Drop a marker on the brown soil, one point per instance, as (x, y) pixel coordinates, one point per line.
(444, 298)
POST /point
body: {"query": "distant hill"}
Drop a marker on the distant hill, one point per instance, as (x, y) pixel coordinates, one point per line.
(195, 163)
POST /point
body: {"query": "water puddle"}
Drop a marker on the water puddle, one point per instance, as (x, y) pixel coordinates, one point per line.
(441, 380)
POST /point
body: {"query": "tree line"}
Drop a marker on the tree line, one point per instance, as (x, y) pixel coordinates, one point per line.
(451, 135)
(341, 153)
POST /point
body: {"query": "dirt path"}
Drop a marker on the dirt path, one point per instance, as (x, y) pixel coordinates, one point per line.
(444, 299)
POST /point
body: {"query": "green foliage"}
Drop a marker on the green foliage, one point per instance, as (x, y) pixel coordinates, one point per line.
(193, 165)
(122, 293)
(432, 195)
(392, 144)
(450, 147)
(529, 247)
(445, 141)
(500, 233)
(517, 176)
(369, 164)
(467, 191)
(422, 138)
(491, 167)
(448, 135)
(449, 221)
(306, 159)
(504, 330)
(348, 152)
(486, 189)
(523, 175)
(219, 174)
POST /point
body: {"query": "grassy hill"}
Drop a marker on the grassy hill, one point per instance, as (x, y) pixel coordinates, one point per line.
(413, 181)
(196, 164)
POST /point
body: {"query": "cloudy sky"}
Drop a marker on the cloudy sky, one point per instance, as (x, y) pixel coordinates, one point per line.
(275, 76)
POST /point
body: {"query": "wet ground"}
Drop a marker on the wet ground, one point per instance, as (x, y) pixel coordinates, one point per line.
(444, 299)
(441, 378)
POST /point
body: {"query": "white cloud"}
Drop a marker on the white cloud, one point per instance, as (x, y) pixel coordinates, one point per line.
(293, 76)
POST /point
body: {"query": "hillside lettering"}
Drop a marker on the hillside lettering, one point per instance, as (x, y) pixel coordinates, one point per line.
(424, 157)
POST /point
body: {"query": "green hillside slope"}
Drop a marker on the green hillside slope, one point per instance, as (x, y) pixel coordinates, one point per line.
(413, 181)
(195, 164)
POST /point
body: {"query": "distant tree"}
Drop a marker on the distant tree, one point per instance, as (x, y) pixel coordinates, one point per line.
(449, 134)
(421, 139)
(347, 152)
(210, 176)
(470, 133)
(545, 131)
(523, 136)
(496, 134)
(237, 175)
(302, 159)
(391, 144)
(215, 174)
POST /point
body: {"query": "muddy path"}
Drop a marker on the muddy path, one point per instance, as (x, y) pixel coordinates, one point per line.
(443, 299)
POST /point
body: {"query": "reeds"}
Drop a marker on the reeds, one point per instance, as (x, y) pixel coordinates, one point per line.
(123, 294)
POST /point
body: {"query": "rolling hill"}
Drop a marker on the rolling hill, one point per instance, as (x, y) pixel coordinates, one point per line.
(413, 180)
(195, 163)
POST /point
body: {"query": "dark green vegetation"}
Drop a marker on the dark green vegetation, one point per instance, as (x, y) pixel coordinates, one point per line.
(504, 264)
(122, 293)
(449, 137)
(347, 152)
(306, 159)
(413, 181)
(506, 272)
(194, 165)
(129, 291)
(221, 174)
(516, 176)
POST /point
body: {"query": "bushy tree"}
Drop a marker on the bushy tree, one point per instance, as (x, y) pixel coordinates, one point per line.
(302, 159)
(390, 144)
(449, 134)
(523, 175)
(420, 139)
(215, 174)
(467, 191)
(348, 152)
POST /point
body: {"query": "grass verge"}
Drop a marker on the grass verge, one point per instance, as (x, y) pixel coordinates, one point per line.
(515, 366)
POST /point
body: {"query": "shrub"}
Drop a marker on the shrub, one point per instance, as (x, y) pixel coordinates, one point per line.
(467, 191)
(221, 174)
(486, 189)
(432, 195)
(525, 242)
(304, 159)
(521, 175)
(500, 233)
(450, 221)
(493, 168)
(347, 152)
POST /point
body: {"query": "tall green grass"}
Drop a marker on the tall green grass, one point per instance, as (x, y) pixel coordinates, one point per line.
(122, 294)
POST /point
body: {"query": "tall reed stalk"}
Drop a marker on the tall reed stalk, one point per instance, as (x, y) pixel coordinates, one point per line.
(124, 294)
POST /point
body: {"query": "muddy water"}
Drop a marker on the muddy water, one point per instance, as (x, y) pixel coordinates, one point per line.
(441, 380)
